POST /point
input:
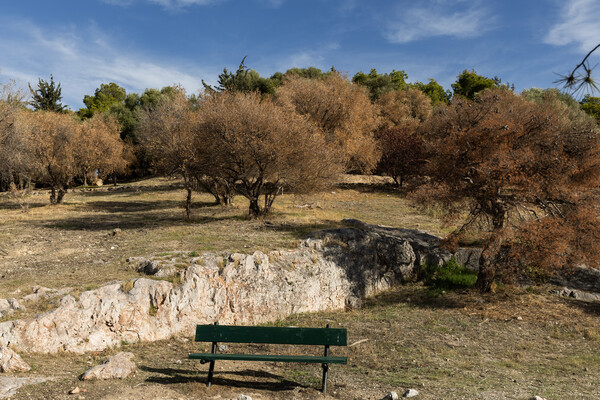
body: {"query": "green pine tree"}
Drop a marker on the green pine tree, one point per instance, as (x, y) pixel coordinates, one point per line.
(47, 96)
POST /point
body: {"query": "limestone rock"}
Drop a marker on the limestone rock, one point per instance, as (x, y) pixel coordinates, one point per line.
(118, 366)
(391, 396)
(9, 385)
(243, 397)
(331, 270)
(468, 257)
(537, 398)
(11, 361)
(44, 293)
(580, 278)
(577, 294)
(9, 306)
(411, 393)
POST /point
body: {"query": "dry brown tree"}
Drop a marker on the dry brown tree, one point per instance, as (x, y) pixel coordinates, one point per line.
(262, 148)
(54, 140)
(100, 152)
(169, 141)
(16, 165)
(518, 164)
(404, 109)
(342, 110)
(401, 145)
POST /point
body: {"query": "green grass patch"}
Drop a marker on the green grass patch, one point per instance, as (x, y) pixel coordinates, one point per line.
(449, 276)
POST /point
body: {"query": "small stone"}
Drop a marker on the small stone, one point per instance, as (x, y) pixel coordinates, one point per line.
(391, 396)
(223, 347)
(75, 391)
(519, 318)
(244, 397)
(116, 231)
(537, 398)
(411, 393)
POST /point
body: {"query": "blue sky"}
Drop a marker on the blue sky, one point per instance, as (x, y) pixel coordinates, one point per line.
(154, 43)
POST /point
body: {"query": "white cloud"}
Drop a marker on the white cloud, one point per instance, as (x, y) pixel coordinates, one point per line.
(579, 23)
(169, 4)
(438, 19)
(83, 59)
(181, 3)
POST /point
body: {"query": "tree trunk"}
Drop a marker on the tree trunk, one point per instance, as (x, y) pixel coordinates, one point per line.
(488, 261)
(254, 209)
(60, 195)
(188, 203)
(53, 195)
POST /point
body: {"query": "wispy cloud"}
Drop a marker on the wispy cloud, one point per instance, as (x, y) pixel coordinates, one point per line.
(579, 23)
(83, 59)
(168, 4)
(439, 19)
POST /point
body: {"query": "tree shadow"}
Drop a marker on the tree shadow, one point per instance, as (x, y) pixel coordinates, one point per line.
(389, 188)
(173, 376)
(419, 297)
(112, 206)
(14, 206)
(589, 307)
(300, 230)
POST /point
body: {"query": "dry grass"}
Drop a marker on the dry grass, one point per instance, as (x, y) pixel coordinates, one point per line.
(73, 245)
(511, 344)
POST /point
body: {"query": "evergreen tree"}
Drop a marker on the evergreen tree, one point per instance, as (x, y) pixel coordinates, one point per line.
(47, 96)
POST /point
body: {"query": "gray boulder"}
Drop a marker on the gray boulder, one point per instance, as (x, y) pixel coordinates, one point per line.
(118, 366)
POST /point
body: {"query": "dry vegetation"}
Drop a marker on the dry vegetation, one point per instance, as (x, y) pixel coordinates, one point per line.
(459, 346)
(514, 344)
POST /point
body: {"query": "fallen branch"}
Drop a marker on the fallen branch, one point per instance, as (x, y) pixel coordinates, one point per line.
(359, 342)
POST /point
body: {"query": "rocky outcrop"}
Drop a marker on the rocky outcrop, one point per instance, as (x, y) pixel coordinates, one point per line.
(333, 269)
(119, 366)
(11, 361)
(580, 278)
(9, 306)
(10, 384)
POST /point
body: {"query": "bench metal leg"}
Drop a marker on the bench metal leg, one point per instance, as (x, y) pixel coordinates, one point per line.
(211, 368)
(325, 368)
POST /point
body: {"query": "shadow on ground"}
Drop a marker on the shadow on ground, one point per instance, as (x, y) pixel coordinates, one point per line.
(173, 376)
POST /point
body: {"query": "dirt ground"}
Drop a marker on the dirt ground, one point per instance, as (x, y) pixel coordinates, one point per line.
(514, 344)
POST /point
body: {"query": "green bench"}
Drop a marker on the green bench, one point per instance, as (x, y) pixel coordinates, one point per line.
(270, 335)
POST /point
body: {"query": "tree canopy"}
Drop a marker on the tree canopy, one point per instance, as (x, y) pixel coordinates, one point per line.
(104, 97)
(262, 148)
(343, 112)
(509, 158)
(469, 83)
(378, 84)
(47, 96)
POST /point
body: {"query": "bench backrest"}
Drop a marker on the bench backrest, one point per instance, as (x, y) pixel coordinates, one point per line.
(274, 335)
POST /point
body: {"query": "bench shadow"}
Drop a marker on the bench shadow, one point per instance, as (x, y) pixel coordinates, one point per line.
(175, 376)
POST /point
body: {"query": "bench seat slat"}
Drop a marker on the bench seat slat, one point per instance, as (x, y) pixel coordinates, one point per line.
(268, 357)
(274, 335)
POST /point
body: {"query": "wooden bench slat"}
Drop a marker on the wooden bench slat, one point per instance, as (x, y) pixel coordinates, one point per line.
(274, 335)
(268, 357)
